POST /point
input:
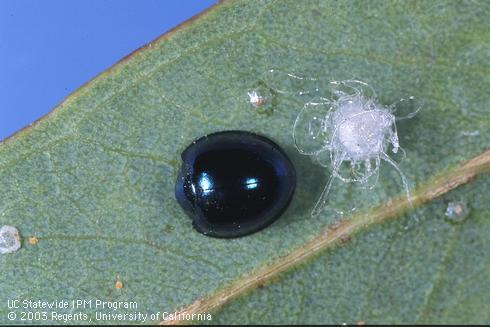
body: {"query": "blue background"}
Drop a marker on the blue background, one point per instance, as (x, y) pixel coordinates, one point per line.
(50, 48)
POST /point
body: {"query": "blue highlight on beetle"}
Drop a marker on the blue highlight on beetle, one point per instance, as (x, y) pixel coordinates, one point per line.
(251, 183)
(206, 183)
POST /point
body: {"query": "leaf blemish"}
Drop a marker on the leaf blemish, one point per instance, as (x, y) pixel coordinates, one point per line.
(316, 12)
(33, 240)
(335, 225)
(344, 239)
(119, 284)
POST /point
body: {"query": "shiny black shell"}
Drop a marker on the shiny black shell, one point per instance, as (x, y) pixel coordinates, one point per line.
(234, 183)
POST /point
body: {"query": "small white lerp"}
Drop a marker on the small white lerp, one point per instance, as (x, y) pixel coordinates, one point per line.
(351, 126)
(9, 239)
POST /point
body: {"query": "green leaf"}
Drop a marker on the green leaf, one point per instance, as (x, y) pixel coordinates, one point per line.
(432, 273)
(93, 181)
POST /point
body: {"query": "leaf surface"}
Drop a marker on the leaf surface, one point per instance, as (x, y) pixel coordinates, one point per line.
(93, 181)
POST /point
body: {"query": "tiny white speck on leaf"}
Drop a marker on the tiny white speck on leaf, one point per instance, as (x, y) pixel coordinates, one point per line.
(457, 211)
(256, 99)
(261, 98)
(9, 239)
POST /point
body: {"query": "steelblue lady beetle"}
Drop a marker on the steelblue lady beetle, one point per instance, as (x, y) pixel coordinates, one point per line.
(234, 183)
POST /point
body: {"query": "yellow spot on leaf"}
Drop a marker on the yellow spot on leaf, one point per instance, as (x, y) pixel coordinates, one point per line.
(119, 285)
